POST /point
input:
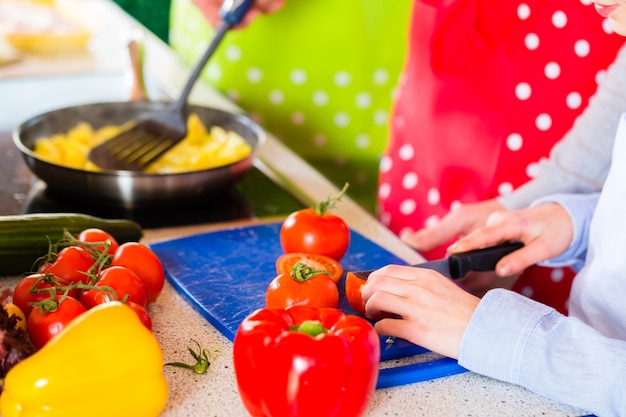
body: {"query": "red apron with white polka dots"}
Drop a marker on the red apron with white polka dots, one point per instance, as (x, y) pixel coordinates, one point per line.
(488, 88)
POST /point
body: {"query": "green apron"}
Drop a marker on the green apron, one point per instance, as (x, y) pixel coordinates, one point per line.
(319, 75)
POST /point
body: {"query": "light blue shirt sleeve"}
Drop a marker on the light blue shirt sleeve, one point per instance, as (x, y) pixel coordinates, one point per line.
(580, 208)
(517, 340)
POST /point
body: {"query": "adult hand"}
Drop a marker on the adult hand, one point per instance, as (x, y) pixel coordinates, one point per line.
(419, 305)
(211, 10)
(546, 231)
(459, 222)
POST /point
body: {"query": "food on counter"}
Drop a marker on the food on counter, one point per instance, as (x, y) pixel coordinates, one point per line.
(14, 344)
(303, 285)
(125, 283)
(104, 363)
(201, 149)
(13, 310)
(313, 241)
(142, 313)
(94, 235)
(8, 54)
(37, 287)
(315, 230)
(201, 357)
(24, 238)
(73, 264)
(286, 262)
(311, 361)
(140, 259)
(74, 276)
(43, 26)
(46, 322)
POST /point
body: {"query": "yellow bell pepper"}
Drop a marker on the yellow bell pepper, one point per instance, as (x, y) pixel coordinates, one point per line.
(104, 363)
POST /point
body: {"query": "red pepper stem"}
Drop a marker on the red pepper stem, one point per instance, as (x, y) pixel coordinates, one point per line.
(311, 327)
(301, 272)
(323, 206)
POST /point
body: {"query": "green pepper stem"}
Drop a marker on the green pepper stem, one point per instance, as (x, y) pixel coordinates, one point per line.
(311, 327)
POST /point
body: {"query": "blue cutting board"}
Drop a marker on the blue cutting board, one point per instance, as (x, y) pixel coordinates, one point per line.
(224, 275)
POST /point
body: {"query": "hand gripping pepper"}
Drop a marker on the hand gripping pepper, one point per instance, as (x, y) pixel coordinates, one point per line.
(306, 361)
(104, 363)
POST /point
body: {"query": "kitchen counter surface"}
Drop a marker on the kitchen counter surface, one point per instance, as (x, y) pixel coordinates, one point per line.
(176, 323)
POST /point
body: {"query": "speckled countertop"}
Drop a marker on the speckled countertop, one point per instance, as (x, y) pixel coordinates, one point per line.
(176, 323)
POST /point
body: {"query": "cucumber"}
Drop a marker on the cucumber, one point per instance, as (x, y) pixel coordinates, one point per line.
(24, 238)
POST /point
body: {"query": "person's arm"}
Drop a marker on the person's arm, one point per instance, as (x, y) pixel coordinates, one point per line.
(514, 339)
(579, 163)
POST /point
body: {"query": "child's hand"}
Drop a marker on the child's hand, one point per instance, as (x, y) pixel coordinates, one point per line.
(419, 305)
(546, 231)
(211, 8)
(459, 222)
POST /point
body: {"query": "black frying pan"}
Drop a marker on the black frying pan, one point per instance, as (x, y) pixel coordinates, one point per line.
(126, 188)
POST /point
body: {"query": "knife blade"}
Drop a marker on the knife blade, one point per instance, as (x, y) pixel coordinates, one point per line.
(457, 265)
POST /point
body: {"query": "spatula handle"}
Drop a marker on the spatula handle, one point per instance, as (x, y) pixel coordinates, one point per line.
(233, 11)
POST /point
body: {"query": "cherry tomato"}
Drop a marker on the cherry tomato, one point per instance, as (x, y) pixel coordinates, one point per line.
(94, 235)
(353, 292)
(309, 232)
(43, 326)
(71, 263)
(143, 261)
(121, 279)
(142, 313)
(286, 262)
(22, 293)
(316, 291)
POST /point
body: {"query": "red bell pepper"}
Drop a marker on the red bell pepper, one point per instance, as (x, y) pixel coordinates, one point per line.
(306, 361)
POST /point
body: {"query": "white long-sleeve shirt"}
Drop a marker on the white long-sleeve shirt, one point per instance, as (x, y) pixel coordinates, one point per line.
(579, 360)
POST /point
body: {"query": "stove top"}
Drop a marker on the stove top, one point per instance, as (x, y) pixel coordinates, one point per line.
(254, 196)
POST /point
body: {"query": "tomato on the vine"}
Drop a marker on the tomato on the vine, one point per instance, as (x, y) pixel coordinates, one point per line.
(303, 286)
(286, 262)
(37, 287)
(142, 313)
(314, 230)
(125, 284)
(44, 325)
(72, 264)
(95, 235)
(140, 259)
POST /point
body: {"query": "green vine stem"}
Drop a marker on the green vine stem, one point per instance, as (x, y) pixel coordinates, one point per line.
(323, 206)
(301, 272)
(201, 357)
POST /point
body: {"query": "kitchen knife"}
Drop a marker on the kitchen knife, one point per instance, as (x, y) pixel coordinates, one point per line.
(457, 265)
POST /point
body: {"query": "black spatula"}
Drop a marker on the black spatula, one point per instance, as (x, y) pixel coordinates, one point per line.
(136, 148)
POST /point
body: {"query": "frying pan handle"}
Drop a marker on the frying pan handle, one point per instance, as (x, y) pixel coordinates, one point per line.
(233, 11)
(480, 259)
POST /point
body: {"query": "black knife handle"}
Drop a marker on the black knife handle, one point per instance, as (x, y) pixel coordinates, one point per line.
(480, 259)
